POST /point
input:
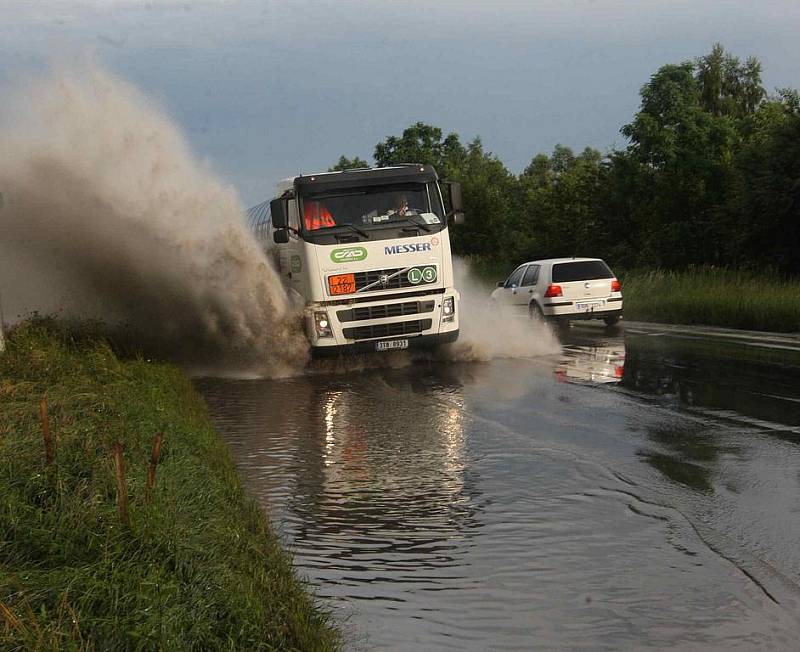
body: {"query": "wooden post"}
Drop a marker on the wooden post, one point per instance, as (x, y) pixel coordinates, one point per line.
(151, 472)
(48, 440)
(122, 492)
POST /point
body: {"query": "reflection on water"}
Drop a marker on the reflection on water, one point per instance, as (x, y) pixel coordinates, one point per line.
(366, 476)
(648, 502)
(597, 362)
(691, 452)
(759, 384)
(705, 381)
(388, 481)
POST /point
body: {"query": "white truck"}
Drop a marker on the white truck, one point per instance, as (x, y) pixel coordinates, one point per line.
(366, 252)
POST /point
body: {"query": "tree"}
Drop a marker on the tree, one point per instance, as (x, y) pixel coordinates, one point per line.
(348, 164)
(559, 198)
(685, 152)
(768, 206)
(421, 143)
(494, 228)
(670, 101)
(539, 171)
(728, 87)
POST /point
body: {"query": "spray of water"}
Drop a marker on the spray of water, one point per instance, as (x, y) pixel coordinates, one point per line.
(490, 331)
(107, 214)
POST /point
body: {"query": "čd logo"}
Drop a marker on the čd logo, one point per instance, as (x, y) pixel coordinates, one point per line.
(348, 255)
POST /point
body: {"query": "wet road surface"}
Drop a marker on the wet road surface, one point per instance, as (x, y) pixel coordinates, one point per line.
(638, 491)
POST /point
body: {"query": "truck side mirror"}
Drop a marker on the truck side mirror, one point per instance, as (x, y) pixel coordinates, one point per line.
(280, 237)
(454, 191)
(278, 208)
(456, 204)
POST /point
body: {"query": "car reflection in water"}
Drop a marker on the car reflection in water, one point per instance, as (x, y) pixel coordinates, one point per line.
(594, 363)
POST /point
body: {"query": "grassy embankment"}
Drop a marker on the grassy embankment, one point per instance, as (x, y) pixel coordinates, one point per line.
(195, 568)
(705, 295)
(713, 297)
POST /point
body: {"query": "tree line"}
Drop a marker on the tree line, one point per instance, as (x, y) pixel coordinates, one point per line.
(710, 176)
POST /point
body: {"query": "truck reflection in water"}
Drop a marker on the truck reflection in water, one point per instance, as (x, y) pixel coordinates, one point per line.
(597, 362)
(388, 483)
(364, 475)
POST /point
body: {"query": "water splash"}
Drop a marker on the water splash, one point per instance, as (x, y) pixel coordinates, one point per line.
(107, 214)
(489, 331)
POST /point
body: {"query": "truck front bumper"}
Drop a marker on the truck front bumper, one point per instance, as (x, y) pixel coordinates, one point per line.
(368, 346)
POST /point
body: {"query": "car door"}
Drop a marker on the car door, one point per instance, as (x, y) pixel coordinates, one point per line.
(527, 287)
(508, 294)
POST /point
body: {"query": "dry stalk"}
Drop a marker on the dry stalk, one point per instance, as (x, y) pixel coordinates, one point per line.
(10, 618)
(151, 472)
(48, 440)
(122, 492)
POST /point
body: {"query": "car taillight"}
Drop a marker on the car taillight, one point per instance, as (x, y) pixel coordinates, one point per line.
(552, 291)
(616, 286)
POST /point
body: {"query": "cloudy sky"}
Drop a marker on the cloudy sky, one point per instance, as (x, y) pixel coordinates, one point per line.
(268, 89)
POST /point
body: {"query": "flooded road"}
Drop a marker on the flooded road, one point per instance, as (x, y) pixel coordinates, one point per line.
(639, 490)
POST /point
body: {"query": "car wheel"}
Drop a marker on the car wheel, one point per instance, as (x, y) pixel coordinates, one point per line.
(612, 320)
(535, 312)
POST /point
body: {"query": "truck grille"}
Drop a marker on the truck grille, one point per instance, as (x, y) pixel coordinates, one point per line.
(387, 330)
(388, 310)
(364, 279)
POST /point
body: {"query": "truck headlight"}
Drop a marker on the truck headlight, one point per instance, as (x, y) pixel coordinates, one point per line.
(322, 324)
(448, 309)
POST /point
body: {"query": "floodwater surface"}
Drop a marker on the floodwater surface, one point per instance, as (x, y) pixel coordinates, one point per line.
(638, 491)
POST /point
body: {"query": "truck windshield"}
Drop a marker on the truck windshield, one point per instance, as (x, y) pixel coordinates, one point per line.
(374, 207)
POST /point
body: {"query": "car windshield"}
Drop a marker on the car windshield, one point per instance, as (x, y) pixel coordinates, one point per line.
(374, 206)
(580, 270)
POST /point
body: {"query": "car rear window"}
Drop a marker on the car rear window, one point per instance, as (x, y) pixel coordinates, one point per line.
(580, 270)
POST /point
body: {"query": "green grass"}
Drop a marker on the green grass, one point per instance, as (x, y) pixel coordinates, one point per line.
(198, 568)
(713, 297)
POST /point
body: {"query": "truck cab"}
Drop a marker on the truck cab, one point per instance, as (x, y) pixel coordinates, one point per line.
(366, 252)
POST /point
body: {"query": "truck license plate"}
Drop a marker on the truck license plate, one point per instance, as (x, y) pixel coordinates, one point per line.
(391, 345)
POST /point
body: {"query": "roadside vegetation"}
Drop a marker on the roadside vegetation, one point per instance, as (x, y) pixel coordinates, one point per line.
(713, 297)
(709, 177)
(90, 560)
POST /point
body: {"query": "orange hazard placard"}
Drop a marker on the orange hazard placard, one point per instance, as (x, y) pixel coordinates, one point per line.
(342, 283)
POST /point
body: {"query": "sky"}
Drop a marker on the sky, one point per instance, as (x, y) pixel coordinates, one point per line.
(265, 90)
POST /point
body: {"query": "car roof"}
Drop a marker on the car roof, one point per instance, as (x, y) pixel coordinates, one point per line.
(553, 261)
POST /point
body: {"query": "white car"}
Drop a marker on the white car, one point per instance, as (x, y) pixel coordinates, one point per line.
(563, 289)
